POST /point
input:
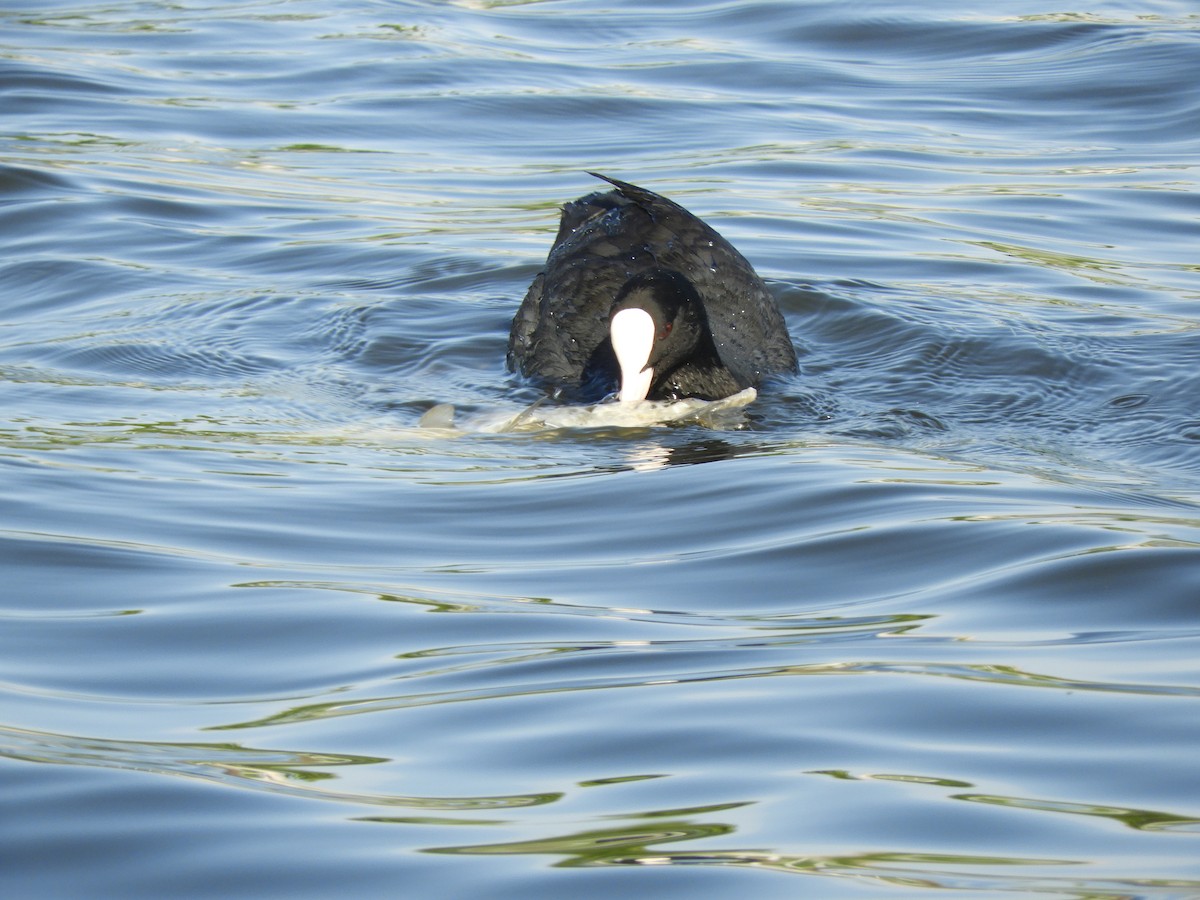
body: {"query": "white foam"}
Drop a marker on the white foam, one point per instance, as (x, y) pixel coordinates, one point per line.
(444, 422)
(724, 413)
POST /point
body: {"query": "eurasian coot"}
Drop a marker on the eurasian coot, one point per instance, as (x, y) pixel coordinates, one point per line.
(640, 296)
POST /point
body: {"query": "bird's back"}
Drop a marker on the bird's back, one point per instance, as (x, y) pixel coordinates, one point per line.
(606, 238)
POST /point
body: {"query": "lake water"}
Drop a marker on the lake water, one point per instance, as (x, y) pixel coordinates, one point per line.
(922, 620)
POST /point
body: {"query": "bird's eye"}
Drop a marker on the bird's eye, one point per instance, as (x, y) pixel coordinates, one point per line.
(666, 329)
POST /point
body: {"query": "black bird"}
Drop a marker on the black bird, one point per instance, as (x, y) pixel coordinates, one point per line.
(639, 295)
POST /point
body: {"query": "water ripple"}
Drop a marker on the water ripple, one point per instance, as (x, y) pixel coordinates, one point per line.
(249, 247)
(992, 674)
(283, 772)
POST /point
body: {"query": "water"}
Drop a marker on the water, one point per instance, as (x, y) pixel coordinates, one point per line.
(924, 618)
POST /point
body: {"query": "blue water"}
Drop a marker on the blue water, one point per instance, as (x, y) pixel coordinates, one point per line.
(925, 620)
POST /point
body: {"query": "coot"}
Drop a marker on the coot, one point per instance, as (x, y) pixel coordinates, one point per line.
(641, 297)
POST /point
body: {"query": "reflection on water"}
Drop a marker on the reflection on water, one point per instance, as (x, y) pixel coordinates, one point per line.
(641, 845)
(1141, 819)
(638, 843)
(300, 774)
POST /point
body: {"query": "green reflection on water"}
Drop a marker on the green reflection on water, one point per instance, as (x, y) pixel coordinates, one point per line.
(638, 844)
(278, 771)
(994, 674)
(1139, 819)
(620, 779)
(846, 775)
(628, 845)
(1099, 270)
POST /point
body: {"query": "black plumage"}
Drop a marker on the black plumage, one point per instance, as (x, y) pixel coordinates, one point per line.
(718, 330)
